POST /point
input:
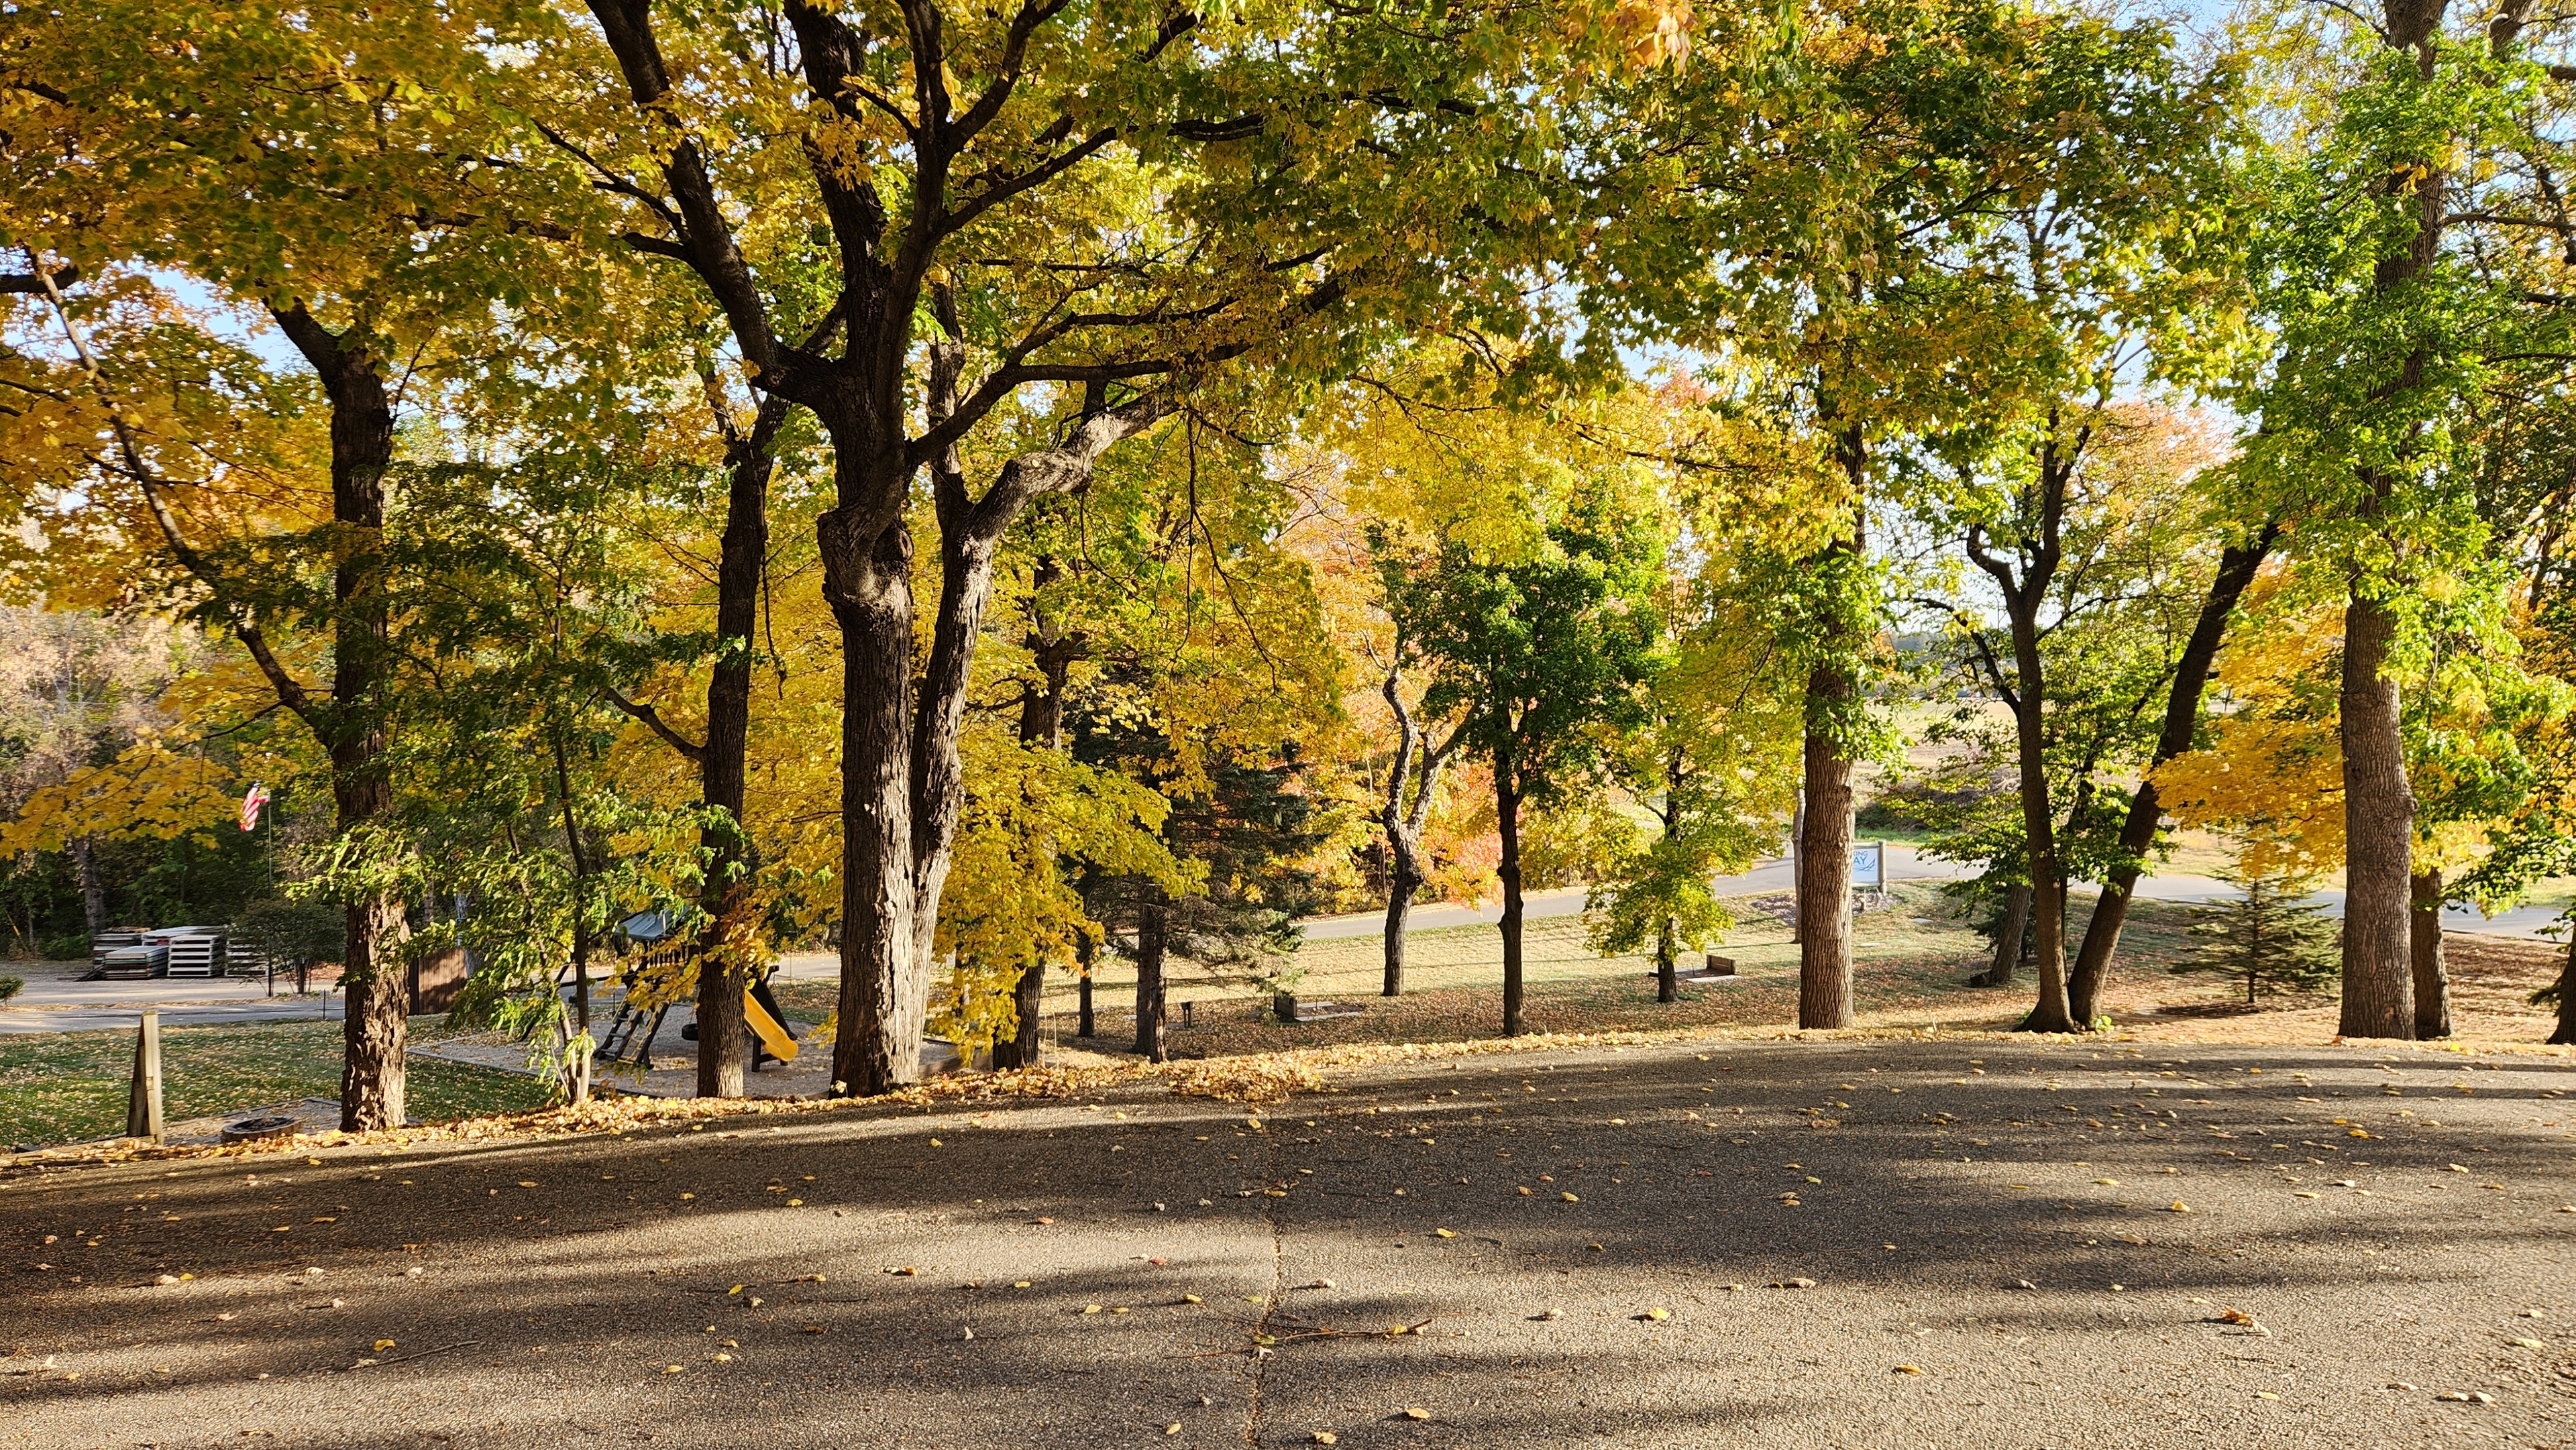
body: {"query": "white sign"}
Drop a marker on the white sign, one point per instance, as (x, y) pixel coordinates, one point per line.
(1869, 866)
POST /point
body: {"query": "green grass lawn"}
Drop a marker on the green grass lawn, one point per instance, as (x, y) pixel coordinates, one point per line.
(62, 1087)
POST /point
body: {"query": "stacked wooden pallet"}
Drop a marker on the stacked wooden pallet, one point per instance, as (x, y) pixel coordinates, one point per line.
(195, 951)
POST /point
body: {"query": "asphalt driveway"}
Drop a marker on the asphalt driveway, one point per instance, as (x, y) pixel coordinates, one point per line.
(1982, 1243)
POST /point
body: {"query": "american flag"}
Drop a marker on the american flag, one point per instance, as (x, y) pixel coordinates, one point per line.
(251, 802)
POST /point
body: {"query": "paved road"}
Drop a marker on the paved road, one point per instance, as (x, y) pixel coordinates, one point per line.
(1246, 1279)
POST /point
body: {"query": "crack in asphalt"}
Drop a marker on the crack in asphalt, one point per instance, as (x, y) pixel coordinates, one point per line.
(1278, 1286)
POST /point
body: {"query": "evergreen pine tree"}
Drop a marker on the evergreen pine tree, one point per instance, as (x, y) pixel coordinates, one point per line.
(2271, 937)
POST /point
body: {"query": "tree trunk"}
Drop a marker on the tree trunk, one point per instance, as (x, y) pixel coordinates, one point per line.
(1825, 804)
(93, 891)
(1668, 986)
(1825, 866)
(2037, 550)
(2236, 570)
(1399, 901)
(2379, 830)
(1419, 763)
(1041, 727)
(884, 999)
(938, 774)
(729, 937)
(2424, 951)
(2565, 1036)
(2009, 938)
(577, 1041)
(1507, 816)
(1028, 995)
(362, 449)
(970, 530)
(1150, 929)
(2039, 831)
(1084, 1025)
(2379, 806)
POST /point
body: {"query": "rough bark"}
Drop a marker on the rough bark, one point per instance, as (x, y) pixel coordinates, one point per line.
(1418, 764)
(353, 726)
(884, 998)
(1151, 931)
(1399, 904)
(1825, 832)
(2379, 806)
(1825, 866)
(2236, 569)
(727, 937)
(2009, 938)
(2025, 580)
(1507, 815)
(2048, 886)
(1028, 1001)
(93, 890)
(2379, 830)
(2424, 953)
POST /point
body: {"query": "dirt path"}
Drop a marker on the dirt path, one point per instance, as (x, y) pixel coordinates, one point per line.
(1249, 1278)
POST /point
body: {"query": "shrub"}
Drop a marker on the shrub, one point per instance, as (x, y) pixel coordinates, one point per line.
(73, 948)
(10, 987)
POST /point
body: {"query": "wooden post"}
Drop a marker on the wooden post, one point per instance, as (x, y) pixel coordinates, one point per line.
(143, 1103)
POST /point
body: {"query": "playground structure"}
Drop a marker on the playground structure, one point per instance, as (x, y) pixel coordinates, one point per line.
(632, 1032)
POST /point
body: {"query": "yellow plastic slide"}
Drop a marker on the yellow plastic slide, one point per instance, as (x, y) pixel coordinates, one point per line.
(773, 1033)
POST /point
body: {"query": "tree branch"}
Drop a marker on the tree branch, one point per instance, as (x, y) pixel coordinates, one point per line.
(290, 691)
(694, 754)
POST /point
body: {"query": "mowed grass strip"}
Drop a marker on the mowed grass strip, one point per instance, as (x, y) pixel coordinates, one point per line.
(64, 1087)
